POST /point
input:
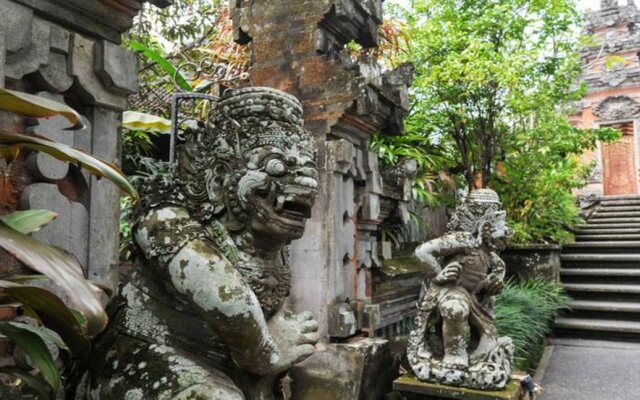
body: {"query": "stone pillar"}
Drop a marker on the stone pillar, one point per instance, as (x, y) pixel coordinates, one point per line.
(68, 51)
(298, 46)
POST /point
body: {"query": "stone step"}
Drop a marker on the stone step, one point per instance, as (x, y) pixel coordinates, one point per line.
(607, 237)
(620, 220)
(599, 325)
(626, 208)
(599, 257)
(602, 288)
(603, 245)
(614, 214)
(606, 306)
(620, 225)
(619, 197)
(596, 230)
(616, 203)
(602, 272)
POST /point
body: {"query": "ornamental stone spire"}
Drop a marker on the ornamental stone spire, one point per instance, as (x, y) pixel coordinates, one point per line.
(608, 4)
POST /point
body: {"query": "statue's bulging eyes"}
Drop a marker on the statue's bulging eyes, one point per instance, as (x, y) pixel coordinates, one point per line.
(276, 167)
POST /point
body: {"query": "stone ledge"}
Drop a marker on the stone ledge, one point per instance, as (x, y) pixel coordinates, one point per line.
(413, 389)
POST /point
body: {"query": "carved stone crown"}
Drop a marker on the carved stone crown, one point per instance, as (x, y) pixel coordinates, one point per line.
(480, 207)
(486, 196)
(262, 103)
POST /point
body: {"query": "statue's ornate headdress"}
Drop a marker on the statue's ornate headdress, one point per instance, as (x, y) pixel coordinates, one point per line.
(480, 207)
(244, 120)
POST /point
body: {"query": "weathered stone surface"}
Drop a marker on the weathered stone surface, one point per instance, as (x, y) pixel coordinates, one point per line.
(91, 89)
(455, 341)
(358, 371)
(60, 40)
(33, 55)
(105, 200)
(530, 261)
(70, 229)
(117, 67)
(55, 75)
(17, 25)
(413, 389)
(45, 166)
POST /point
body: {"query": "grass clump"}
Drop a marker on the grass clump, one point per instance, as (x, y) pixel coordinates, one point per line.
(525, 311)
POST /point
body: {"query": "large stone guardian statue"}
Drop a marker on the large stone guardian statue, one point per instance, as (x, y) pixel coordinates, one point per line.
(202, 317)
(455, 340)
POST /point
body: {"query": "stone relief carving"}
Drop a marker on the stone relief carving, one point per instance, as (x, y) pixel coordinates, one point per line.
(617, 108)
(203, 314)
(455, 341)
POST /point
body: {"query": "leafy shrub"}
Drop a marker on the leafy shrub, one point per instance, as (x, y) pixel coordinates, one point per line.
(525, 311)
(541, 169)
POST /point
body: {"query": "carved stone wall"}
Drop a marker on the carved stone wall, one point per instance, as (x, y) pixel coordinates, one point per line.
(298, 47)
(68, 51)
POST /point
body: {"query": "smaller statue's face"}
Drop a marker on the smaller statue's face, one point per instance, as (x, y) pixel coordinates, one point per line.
(499, 233)
(278, 191)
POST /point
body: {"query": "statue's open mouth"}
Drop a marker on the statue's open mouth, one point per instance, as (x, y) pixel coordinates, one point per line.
(293, 207)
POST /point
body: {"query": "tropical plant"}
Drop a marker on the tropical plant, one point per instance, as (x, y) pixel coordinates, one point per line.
(493, 83)
(46, 321)
(525, 311)
(541, 171)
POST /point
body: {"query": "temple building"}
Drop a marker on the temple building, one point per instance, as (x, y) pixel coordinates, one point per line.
(612, 73)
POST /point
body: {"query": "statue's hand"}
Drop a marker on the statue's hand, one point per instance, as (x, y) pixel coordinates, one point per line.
(295, 335)
(449, 274)
(493, 284)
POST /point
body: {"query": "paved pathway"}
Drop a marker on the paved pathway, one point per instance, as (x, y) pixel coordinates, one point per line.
(592, 370)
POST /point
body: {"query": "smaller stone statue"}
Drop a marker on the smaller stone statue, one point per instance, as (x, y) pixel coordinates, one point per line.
(455, 340)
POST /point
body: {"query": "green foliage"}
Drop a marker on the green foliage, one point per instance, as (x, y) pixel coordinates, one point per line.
(493, 81)
(525, 311)
(541, 171)
(46, 321)
(126, 240)
(392, 150)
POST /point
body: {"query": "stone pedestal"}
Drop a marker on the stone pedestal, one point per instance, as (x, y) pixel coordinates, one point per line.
(413, 389)
(533, 260)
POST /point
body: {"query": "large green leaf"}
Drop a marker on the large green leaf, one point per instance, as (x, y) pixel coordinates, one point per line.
(163, 63)
(28, 221)
(63, 269)
(145, 122)
(34, 345)
(38, 385)
(33, 106)
(53, 313)
(63, 152)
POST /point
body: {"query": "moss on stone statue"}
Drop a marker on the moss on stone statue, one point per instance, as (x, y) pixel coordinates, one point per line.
(411, 388)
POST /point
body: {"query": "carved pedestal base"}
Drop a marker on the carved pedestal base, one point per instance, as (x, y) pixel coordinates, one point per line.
(412, 389)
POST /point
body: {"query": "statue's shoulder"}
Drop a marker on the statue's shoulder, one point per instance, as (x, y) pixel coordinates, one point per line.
(162, 231)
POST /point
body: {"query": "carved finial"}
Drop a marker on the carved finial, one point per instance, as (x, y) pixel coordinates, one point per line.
(608, 4)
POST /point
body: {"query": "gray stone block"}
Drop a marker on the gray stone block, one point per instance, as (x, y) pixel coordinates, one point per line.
(55, 75)
(105, 201)
(362, 370)
(17, 24)
(340, 155)
(117, 67)
(33, 55)
(44, 166)
(60, 40)
(90, 88)
(3, 56)
(70, 230)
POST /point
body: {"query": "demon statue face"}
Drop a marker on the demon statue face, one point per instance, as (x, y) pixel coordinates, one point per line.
(203, 312)
(455, 341)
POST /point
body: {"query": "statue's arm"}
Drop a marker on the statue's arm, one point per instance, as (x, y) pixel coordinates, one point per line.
(498, 267)
(447, 245)
(211, 284)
